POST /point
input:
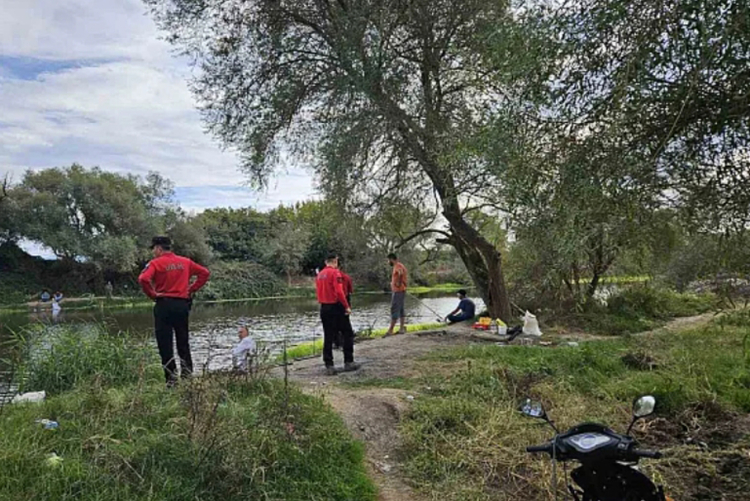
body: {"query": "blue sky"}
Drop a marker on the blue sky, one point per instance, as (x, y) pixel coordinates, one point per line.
(90, 81)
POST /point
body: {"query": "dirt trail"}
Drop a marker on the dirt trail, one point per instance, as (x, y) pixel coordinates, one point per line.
(373, 413)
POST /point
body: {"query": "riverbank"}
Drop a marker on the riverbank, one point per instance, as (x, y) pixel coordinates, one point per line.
(122, 435)
(438, 411)
(104, 303)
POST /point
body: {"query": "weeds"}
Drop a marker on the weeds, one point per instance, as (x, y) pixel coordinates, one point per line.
(124, 436)
(641, 308)
(58, 358)
(465, 440)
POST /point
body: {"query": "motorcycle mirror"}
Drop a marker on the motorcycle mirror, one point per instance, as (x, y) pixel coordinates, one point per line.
(644, 406)
(533, 409)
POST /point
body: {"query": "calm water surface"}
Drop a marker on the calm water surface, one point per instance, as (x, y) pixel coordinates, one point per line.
(214, 327)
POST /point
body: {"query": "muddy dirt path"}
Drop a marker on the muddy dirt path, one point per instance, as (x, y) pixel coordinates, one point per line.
(373, 413)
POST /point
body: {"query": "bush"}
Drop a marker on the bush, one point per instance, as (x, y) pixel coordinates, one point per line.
(653, 303)
(235, 280)
(639, 308)
(62, 357)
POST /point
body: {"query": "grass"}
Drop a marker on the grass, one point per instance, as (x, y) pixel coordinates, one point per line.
(313, 348)
(59, 358)
(220, 437)
(641, 308)
(447, 287)
(464, 438)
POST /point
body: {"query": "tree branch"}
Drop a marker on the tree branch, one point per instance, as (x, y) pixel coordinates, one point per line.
(421, 233)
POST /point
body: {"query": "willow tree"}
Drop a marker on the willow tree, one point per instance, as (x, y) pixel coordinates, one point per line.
(670, 78)
(375, 94)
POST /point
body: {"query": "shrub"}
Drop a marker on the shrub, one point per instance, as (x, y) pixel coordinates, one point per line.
(60, 358)
(653, 303)
(235, 280)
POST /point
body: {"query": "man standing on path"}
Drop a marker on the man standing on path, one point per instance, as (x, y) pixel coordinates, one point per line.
(348, 291)
(334, 312)
(166, 280)
(399, 282)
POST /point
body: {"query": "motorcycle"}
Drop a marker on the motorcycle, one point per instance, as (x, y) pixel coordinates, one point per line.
(607, 460)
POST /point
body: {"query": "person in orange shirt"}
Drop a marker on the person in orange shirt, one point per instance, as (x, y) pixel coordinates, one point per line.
(399, 282)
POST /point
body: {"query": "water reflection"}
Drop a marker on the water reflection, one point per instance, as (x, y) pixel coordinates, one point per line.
(214, 327)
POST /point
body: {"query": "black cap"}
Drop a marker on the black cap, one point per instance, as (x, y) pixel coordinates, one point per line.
(163, 242)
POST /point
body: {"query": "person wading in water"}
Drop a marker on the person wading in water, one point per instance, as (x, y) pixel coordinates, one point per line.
(166, 280)
(334, 313)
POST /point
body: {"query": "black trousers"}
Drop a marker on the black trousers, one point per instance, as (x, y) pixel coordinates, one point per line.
(338, 342)
(171, 316)
(335, 321)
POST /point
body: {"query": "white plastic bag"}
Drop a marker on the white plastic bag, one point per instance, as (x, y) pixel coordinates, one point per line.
(33, 397)
(531, 325)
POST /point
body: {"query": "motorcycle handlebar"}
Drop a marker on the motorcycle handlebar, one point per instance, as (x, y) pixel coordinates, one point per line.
(538, 448)
(647, 454)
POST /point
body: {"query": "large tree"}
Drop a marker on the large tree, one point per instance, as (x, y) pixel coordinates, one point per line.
(375, 93)
(671, 79)
(89, 214)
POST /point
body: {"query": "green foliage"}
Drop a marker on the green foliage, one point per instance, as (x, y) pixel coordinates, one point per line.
(234, 234)
(123, 436)
(642, 307)
(99, 216)
(659, 304)
(464, 437)
(232, 280)
(61, 358)
(219, 438)
(647, 72)
(286, 249)
(189, 239)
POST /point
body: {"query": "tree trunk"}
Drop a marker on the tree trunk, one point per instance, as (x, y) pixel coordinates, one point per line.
(484, 263)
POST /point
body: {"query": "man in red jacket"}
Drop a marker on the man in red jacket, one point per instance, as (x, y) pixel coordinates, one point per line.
(166, 280)
(334, 312)
(348, 291)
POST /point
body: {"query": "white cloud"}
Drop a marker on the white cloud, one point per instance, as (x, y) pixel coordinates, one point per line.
(124, 106)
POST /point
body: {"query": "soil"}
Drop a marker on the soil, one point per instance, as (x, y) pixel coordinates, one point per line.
(372, 414)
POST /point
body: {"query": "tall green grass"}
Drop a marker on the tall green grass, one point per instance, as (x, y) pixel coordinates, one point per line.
(59, 358)
(123, 436)
(464, 438)
(220, 438)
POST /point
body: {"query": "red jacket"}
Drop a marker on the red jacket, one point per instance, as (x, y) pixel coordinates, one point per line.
(348, 286)
(329, 286)
(169, 276)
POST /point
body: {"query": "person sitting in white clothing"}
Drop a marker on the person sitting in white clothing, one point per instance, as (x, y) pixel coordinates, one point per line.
(244, 351)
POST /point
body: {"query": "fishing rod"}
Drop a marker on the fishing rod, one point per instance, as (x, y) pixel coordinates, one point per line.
(439, 317)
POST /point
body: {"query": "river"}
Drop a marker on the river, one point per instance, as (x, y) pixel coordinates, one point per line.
(214, 326)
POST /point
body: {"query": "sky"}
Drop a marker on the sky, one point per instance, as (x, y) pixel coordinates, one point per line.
(90, 81)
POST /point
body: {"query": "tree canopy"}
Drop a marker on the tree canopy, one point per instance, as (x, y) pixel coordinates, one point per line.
(375, 94)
